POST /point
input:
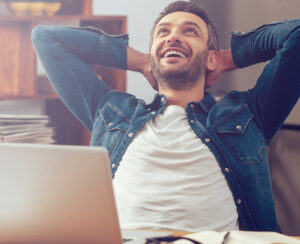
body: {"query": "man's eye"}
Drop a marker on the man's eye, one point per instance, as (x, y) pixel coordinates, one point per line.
(162, 31)
(191, 31)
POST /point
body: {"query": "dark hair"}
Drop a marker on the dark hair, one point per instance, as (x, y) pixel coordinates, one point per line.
(193, 7)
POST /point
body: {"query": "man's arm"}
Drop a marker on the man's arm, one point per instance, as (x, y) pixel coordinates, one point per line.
(278, 88)
(66, 54)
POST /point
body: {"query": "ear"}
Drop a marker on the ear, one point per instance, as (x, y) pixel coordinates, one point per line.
(149, 69)
(213, 60)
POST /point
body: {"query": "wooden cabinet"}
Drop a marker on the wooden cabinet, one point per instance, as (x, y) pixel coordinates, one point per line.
(19, 78)
(18, 62)
(77, 7)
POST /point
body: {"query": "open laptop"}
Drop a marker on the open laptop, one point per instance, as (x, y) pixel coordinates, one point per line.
(57, 194)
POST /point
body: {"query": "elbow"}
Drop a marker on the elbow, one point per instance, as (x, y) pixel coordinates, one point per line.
(40, 36)
(36, 34)
(292, 43)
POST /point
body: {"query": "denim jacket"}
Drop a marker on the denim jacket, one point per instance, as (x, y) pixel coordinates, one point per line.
(237, 129)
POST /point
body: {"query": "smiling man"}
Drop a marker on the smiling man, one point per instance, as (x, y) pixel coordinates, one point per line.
(183, 161)
(179, 52)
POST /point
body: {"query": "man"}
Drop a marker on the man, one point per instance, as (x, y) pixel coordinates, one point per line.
(184, 161)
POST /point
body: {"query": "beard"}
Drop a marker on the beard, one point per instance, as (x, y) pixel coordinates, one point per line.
(183, 78)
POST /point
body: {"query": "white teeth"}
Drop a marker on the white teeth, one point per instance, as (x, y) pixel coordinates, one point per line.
(174, 53)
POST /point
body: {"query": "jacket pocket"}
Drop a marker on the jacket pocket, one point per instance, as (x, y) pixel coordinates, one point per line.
(110, 125)
(242, 136)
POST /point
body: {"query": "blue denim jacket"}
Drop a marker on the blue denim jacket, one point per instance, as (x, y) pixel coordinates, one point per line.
(237, 129)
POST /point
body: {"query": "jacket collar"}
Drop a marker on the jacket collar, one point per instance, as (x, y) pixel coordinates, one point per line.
(206, 103)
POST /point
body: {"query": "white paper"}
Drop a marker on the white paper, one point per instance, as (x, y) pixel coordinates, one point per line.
(238, 237)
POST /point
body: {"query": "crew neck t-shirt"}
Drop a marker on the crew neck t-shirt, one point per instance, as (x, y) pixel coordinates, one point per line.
(169, 179)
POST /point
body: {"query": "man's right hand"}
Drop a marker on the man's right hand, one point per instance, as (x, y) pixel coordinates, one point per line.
(140, 62)
(147, 72)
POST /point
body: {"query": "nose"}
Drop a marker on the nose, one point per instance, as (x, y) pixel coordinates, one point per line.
(174, 37)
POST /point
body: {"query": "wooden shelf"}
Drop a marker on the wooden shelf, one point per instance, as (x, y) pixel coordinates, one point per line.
(18, 74)
(18, 68)
(11, 18)
(82, 7)
(73, 7)
(24, 97)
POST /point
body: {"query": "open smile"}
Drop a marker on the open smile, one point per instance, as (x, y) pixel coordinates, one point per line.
(174, 53)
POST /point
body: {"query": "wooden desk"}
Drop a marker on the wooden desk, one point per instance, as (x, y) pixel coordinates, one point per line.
(183, 233)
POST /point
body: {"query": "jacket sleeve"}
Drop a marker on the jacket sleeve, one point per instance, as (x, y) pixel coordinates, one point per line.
(66, 55)
(277, 89)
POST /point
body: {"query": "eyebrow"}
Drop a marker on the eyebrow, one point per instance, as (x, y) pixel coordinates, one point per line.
(192, 23)
(163, 24)
(184, 23)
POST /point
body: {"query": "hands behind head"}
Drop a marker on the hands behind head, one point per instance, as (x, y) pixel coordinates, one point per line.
(147, 72)
(226, 63)
(140, 62)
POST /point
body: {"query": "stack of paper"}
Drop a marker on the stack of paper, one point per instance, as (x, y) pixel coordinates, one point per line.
(26, 129)
(239, 237)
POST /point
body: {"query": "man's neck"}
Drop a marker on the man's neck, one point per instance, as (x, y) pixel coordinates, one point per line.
(183, 97)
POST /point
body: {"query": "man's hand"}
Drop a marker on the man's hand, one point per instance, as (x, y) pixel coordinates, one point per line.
(147, 72)
(140, 62)
(226, 63)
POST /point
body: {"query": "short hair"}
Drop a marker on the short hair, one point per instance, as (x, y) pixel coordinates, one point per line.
(193, 6)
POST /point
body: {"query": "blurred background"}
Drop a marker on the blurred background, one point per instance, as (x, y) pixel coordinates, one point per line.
(227, 15)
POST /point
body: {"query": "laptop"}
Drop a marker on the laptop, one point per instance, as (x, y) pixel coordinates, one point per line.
(58, 194)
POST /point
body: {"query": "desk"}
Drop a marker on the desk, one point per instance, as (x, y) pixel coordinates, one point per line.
(183, 233)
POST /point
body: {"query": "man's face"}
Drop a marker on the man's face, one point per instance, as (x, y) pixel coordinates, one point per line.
(179, 50)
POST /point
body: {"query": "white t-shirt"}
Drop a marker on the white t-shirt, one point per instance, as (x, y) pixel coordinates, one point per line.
(169, 179)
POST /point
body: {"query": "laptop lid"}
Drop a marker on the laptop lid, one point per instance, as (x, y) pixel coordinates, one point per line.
(56, 194)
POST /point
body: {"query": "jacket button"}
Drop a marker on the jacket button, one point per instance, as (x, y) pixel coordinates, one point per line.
(110, 124)
(130, 134)
(113, 165)
(207, 139)
(152, 112)
(239, 127)
(192, 105)
(239, 201)
(226, 170)
(192, 121)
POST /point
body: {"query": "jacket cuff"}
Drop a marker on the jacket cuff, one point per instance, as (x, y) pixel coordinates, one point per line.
(113, 50)
(242, 53)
